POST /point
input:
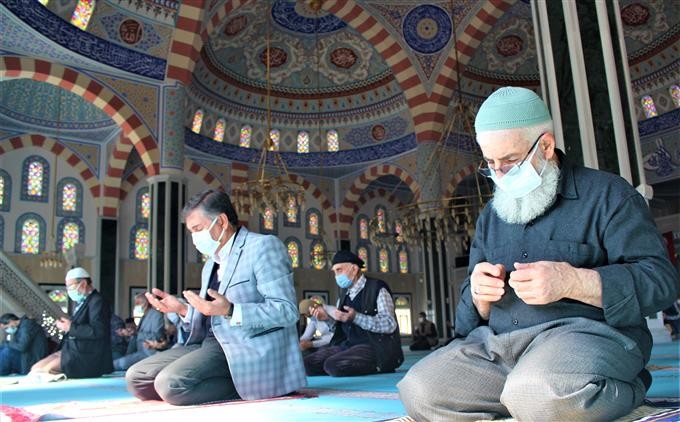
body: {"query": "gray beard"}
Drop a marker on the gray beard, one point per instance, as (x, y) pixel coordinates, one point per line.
(535, 203)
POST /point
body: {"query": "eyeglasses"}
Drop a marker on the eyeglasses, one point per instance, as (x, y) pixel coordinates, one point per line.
(487, 171)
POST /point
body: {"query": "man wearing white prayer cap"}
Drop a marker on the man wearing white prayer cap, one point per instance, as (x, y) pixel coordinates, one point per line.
(565, 265)
(85, 349)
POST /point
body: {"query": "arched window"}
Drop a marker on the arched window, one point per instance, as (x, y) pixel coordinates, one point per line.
(139, 242)
(292, 212)
(397, 229)
(246, 132)
(70, 198)
(35, 178)
(197, 122)
(275, 137)
(318, 255)
(674, 90)
(30, 234)
(82, 13)
(381, 219)
(44, 2)
(363, 227)
(332, 141)
(219, 131)
(303, 142)
(648, 106)
(143, 205)
(313, 219)
(403, 261)
(71, 231)
(383, 260)
(268, 221)
(362, 253)
(5, 190)
(293, 246)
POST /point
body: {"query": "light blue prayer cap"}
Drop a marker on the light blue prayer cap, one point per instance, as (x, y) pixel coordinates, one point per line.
(511, 107)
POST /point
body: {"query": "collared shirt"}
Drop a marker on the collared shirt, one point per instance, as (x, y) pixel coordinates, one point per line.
(319, 332)
(598, 221)
(383, 322)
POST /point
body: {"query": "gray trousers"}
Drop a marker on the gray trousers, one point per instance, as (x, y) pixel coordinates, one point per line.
(573, 369)
(183, 375)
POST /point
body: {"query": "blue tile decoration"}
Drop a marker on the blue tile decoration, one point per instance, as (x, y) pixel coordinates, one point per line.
(63, 33)
(60, 231)
(362, 136)
(285, 14)
(666, 121)
(7, 191)
(294, 160)
(427, 28)
(19, 226)
(150, 37)
(61, 212)
(45, 179)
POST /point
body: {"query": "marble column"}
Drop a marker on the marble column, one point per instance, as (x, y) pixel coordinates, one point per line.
(586, 83)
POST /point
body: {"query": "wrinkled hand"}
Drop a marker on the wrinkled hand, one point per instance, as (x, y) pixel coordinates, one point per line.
(486, 286)
(155, 344)
(543, 282)
(347, 316)
(319, 313)
(219, 306)
(305, 344)
(165, 302)
(64, 324)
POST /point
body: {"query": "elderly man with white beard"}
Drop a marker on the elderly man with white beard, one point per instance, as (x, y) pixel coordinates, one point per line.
(565, 265)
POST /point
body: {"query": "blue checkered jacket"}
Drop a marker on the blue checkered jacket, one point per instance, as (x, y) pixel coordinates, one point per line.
(263, 353)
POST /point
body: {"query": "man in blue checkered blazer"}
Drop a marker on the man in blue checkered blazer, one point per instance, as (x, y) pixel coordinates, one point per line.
(242, 339)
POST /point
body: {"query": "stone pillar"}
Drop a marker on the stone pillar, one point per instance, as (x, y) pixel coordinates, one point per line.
(107, 261)
(586, 83)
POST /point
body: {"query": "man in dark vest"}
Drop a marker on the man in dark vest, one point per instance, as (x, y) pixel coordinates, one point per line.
(366, 339)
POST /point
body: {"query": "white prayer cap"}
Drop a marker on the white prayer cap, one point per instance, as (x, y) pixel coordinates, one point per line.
(77, 272)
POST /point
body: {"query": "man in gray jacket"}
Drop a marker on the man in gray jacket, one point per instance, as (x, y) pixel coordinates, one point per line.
(151, 328)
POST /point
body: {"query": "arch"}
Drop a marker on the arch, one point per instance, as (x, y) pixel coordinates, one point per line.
(378, 193)
(458, 177)
(134, 129)
(60, 150)
(345, 215)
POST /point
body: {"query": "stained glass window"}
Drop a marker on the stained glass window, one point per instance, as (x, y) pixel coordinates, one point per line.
(246, 132)
(397, 229)
(303, 142)
(70, 236)
(5, 190)
(142, 244)
(268, 219)
(69, 197)
(82, 13)
(313, 223)
(197, 122)
(363, 228)
(380, 215)
(318, 256)
(44, 2)
(30, 237)
(35, 179)
(674, 90)
(2, 191)
(291, 210)
(362, 253)
(294, 253)
(403, 261)
(648, 106)
(219, 131)
(384, 260)
(275, 137)
(145, 205)
(332, 140)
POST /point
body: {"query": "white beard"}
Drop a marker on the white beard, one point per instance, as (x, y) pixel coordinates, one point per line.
(535, 203)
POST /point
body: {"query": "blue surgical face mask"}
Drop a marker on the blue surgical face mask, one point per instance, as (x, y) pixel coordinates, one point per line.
(521, 180)
(75, 295)
(343, 281)
(11, 330)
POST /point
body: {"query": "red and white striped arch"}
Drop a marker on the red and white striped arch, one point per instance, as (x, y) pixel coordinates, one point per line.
(353, 194)
(458, 177)
(378, 193)
(57, 148)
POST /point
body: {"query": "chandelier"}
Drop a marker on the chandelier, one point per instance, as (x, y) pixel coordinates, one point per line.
(273, 188)
(449, 220)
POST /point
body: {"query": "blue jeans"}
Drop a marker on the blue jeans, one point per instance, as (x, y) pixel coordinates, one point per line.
(10, 361)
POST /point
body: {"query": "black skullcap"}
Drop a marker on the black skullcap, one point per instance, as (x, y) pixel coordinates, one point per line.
(347, 256)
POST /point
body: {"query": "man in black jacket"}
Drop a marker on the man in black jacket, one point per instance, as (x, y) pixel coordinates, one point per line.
(86, 347)
(366, 339)
(27, 342)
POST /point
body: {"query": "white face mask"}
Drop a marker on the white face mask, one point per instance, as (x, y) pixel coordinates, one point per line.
(204, 242)
(521, 180)
(138, 310)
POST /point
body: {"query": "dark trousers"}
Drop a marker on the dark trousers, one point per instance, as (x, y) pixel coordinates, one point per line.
(184, 375)
(10, 361)
(338, 361)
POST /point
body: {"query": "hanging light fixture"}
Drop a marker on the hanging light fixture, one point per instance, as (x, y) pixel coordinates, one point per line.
(272, 188)
(446, 219)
